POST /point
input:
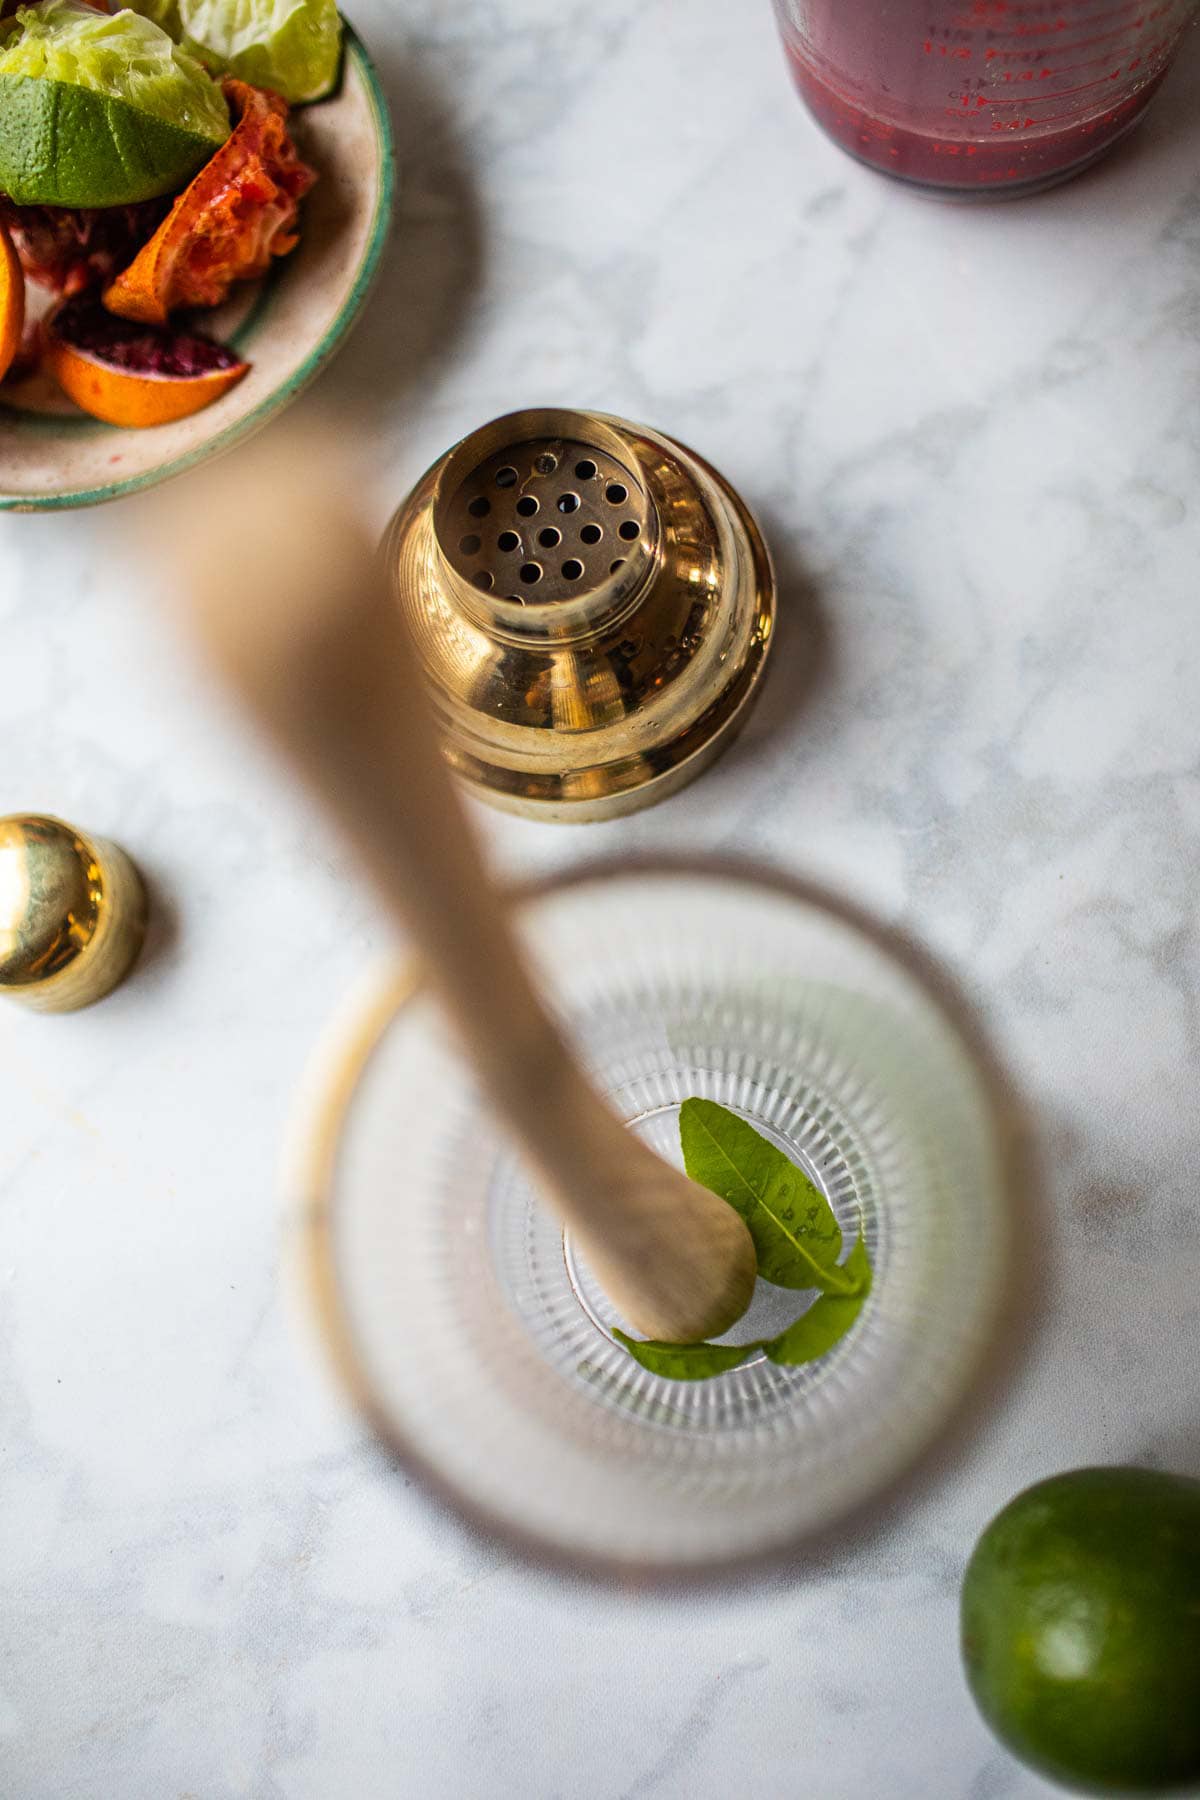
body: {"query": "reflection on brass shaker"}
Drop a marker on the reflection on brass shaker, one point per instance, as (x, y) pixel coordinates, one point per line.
(72, 914)
(594, 606)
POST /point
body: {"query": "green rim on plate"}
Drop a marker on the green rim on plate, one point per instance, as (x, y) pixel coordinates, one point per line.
(287, 390)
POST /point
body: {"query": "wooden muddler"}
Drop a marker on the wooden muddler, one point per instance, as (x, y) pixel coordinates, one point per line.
(290, 602)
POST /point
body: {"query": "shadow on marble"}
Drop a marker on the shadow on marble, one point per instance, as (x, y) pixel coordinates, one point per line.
(1178, 1454)
(803, 656)
(432, 267)
(164, 933)
(1021, 1315)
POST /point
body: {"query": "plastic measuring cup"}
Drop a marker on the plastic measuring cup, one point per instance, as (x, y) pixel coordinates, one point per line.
(972, 97)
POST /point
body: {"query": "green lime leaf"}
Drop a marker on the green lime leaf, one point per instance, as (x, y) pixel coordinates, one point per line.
(810, 1337)
(796, 1237)
(99, 110)
(685, 1362)
(828, 1319)
(293, 46)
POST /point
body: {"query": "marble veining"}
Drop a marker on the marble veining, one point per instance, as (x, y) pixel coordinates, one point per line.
(972, 436)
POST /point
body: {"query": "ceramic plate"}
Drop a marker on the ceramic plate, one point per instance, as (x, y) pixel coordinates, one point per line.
(288, 325)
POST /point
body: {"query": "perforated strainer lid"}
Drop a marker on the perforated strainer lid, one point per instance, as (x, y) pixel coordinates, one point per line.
(594, 606)
(554, 525)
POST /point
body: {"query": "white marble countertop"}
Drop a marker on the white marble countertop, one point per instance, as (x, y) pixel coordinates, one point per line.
(972, 436)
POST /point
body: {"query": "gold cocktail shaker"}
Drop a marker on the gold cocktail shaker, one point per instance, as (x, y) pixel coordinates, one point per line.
(593, 604)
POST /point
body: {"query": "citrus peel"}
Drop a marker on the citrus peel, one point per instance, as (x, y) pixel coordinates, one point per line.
(12, 302)
(135, 376)
(239, 213)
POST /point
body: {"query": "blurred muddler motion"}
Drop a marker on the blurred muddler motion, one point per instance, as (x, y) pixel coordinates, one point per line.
(290, 603)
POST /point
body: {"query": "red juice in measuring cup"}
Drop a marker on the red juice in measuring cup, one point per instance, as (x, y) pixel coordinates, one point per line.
(980, 96)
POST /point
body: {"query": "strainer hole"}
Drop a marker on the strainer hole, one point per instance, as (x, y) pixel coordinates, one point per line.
(507, 541)
(585, 469)
(591, 534)
(470, 544)
(484, 579)
(572, 569)
(546, 464)
(549, 538)
(630, 530)
(480, 507)
(619, 564)
(568, 503)
(506, 477)
(531, 572)
(616, 493)
(527, 506)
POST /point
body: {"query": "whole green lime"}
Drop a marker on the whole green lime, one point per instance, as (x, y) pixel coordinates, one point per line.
(99, 110)
(1081, 1629)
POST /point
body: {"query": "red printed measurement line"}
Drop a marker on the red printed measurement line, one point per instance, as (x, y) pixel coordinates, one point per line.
(1073, 119)
(1038, 52)
(1048, 45)
(1091, 62)
(1140, 45)
(1063, 24)
(1025, 98)
(992, 54)
(1051, 19)
(1106, 37)
(974, 104)
(1147, 16)
(1040, 11)
(1025, 9)
(1057, 22)
(1060, 93)
(1064, 69)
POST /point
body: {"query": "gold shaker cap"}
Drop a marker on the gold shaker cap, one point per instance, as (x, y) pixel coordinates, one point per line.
(72, 914)
(594, 606)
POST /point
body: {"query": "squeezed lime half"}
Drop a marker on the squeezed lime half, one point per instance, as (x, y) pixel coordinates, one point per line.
(99, 110)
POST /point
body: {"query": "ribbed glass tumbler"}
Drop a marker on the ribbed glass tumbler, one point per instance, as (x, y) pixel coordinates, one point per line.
(478, 1340)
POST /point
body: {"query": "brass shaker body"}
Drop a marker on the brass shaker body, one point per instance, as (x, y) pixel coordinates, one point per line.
(594, 606)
